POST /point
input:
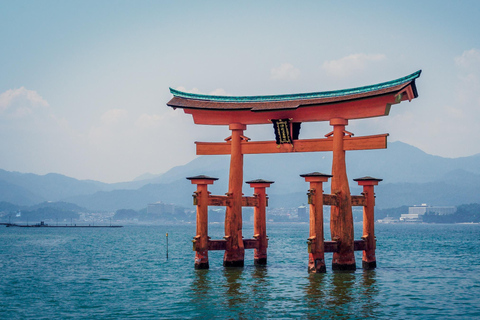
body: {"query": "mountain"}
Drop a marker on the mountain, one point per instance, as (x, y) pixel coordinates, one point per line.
(410, 176)
(49, 187)
(12, 193)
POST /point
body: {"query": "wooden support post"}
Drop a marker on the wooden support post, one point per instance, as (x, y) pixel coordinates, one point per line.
(369, 260)
(341, 219)
(235, 253)
(200, 241)
(316, 245)
(260, 220)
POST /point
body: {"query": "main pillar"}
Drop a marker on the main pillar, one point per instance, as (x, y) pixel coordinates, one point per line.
(341, 219)
(369, 260)
(260, 220)
(200, 241)
(316, 245)
(235, 252)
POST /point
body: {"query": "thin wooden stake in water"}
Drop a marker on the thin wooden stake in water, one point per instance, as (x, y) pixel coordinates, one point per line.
(167, 244)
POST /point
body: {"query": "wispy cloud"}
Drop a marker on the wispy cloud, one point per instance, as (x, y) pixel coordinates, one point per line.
(285, 71)
(114, 116)
(468, 59)
(351, 64)
(468, 75)
(215, 92)
(21, 102)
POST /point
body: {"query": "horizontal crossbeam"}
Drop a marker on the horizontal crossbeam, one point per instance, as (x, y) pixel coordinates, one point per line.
(305, 145)
(358, 201)
(224, 201)
(331, 200)
(222, 244)
(329, 246)
(332, 246)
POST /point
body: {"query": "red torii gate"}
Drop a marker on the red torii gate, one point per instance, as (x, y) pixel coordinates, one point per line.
(287, 112)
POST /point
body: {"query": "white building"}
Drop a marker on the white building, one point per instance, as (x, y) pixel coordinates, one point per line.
(416, 213)
(160, 208)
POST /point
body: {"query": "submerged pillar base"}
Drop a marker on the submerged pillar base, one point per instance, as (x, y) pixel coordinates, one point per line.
(369, 265)
(201, 259)
(317, 266)
(260, 261)
(234, 257)
(344, 267)
(234, 264)
(202, 265)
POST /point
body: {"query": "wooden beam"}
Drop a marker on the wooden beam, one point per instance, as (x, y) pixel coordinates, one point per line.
(358, 201)
(359, 245)
(214, 245)
(305, 145)
(332, 246)
(250, 243)
(218, 201)
(217, 245)
(223, 201)
(249, 201)
(378, 141)
(329, 200)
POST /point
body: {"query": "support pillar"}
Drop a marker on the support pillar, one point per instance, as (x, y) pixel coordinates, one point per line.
(260, 220)
(316, 246)
(200, 241)
(369, 260)
(235, 252)
(341, 218)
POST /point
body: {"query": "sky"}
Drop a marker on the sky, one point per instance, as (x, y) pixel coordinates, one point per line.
(84, 84)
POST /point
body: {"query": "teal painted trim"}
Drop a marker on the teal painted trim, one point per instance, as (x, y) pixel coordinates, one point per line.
(297, 96)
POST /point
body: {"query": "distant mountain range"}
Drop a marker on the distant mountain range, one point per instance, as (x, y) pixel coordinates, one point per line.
(410, 176)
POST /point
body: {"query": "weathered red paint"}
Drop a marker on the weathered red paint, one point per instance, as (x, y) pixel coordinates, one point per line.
(200, 241)
(369, 260)
(316, 246)
(260, 221)
(354, 109)
(341, 219)
(235, 253)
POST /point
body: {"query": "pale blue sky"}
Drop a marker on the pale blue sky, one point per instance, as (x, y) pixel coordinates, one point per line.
(84, 84)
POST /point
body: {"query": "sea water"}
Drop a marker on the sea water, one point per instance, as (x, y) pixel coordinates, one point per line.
(424, 272)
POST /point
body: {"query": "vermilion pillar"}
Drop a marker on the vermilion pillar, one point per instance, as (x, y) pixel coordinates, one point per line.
(200, 241)
(368, 261)
(235, 252)
(316, 248)
(341, 219)
(260, 220)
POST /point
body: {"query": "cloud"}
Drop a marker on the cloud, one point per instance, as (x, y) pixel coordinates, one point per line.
(469, 59)
(216, 92)
(21, 102)
(193, 90)
(468, 76)
(114, 116)
(285, 71)
(148, 121)
(351, 64)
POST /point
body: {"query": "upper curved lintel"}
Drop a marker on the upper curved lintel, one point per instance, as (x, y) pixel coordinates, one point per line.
(298, 96)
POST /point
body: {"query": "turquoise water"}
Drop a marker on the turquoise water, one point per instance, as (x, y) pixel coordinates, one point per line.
(424, 272)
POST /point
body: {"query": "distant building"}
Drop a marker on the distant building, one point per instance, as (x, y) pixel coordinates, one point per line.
(302, 213)
(410, 217)
(416, 213)
(438, 210)
(160, 209)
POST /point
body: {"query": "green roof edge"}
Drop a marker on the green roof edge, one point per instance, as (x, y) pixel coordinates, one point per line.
(298, 96)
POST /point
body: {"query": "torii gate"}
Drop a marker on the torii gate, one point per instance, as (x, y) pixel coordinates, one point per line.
(287, 112)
